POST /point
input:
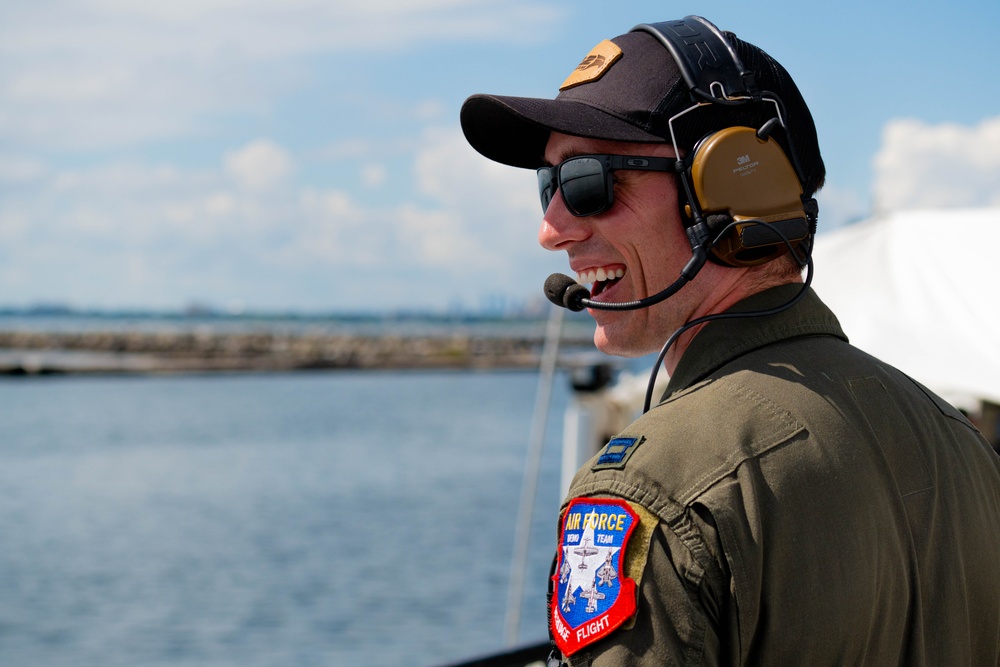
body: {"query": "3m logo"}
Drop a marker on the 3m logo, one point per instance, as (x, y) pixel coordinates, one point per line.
(745, 166)
(594, 65)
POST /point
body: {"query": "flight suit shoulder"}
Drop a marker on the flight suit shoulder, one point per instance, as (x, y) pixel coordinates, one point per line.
(677, 450)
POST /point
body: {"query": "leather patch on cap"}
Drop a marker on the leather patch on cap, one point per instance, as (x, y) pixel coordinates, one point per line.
(593, 67)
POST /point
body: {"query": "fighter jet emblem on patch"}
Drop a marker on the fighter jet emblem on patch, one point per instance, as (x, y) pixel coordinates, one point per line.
(593, 597)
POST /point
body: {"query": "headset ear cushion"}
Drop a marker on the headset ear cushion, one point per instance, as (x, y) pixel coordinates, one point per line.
(738, 176)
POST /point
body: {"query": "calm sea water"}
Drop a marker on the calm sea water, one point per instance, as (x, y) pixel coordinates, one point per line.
(255, 520)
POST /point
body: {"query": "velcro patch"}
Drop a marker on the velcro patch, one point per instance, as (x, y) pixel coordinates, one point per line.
(593, 597)
(593, 67)
(617, 452)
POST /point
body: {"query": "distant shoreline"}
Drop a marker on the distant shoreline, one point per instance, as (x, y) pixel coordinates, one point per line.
(160, 352)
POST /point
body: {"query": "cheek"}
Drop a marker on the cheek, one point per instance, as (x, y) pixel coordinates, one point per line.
(652, 197)
(659, 251)
(655, 231)
(648, 227)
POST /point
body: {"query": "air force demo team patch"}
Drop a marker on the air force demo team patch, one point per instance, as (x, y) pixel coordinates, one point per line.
(592, 596)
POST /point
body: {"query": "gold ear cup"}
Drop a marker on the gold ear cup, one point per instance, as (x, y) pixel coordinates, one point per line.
(748, 180)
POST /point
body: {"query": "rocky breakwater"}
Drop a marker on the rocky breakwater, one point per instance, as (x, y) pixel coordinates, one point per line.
(32, 352)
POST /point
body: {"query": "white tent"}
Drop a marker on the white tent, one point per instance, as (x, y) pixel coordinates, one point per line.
(921, 291)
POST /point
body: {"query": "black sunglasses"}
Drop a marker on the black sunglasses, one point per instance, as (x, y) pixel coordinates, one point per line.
(586, 183)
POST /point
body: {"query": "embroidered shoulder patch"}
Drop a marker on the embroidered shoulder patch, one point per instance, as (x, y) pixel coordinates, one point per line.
(593, 597)
(593, 67)
(617, 452)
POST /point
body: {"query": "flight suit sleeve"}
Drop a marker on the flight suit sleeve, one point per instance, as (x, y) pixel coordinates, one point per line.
(683, 601)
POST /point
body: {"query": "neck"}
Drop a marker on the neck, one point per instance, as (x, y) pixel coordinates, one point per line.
(730, 286)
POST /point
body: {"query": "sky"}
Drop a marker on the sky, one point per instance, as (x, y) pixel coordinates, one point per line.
(306, 155)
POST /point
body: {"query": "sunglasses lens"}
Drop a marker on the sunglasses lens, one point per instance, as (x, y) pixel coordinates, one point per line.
(546, 186)
(584, 186)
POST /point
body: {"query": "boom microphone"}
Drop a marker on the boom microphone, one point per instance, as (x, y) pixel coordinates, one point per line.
(566, 292)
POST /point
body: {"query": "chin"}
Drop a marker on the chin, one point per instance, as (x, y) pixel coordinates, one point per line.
(616, 340)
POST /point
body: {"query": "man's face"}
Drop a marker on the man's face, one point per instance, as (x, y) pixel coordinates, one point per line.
(634, 250)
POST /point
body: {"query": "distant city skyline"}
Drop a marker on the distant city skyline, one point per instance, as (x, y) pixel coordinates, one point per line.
(305, 156)
(487, 306)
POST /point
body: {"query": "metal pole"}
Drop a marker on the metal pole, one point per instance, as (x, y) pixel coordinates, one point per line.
(522, 535)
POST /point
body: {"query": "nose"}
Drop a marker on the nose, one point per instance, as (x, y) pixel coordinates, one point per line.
(560, 228)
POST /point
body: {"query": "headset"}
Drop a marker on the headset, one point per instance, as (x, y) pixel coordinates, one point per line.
(739, 177)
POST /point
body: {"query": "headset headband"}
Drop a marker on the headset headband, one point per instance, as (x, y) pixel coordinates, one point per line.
(707, 60)
(734, 180)
(713, 71)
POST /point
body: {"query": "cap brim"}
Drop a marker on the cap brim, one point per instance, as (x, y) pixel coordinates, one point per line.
(514, 130)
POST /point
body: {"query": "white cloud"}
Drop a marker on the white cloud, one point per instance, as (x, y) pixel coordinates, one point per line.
(373, 175)
(12, 226)
(128, 233)
(261, 164)
(448, 169)
(247, 229)
(494, 211)
(935, 166)
(437, 238)
(476, 220)
(125, 178)
(20, 169)
(333, 230)
(220, 203)
(65, 85)
(839, 206)
(100, 73)
(106, 83)
(345, 150)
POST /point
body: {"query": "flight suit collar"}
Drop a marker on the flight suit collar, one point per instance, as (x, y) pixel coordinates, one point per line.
(722, 341)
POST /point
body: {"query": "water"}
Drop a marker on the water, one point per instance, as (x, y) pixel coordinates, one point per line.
(576, 326)
(302, 519)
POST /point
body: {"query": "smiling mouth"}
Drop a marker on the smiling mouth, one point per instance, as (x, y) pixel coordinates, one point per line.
(600, 280)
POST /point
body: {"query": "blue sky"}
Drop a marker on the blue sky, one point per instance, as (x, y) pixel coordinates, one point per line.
(305, 155)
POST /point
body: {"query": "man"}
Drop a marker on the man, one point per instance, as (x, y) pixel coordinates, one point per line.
(790, 500)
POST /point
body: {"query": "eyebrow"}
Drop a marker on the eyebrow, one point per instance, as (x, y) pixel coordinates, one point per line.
(567, 153)
(562, 157)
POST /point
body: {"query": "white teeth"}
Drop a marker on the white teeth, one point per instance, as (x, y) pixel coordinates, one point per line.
(600, 275)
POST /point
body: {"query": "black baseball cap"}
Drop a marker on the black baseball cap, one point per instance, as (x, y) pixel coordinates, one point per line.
(627, 89)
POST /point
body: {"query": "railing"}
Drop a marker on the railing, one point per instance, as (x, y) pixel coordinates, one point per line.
(518, 657)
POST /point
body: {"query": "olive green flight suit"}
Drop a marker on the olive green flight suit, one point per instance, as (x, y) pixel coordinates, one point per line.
(806, 505)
